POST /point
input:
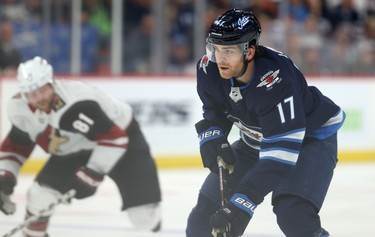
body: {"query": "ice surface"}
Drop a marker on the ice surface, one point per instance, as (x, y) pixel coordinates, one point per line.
(349, 209)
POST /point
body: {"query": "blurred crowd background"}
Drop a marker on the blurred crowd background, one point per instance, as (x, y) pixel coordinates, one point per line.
(322, 37)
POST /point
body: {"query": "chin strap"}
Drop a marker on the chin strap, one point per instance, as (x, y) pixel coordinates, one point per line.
(245, 63)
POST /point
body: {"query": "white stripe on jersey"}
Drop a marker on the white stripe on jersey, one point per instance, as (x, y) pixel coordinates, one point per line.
(20, 158)
(9, 164)
(279, 154)
(293, 136)
(335, 119)
(119, 141)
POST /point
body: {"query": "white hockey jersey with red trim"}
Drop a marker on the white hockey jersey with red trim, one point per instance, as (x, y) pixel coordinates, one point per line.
(84, 118)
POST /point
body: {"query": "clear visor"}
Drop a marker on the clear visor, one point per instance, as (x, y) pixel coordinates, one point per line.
(216, 53)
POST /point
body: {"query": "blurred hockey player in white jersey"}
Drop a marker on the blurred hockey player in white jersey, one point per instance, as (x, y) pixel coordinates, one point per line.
(88, 136)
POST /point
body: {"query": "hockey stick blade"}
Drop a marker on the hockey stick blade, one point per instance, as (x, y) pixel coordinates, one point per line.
(63, 199)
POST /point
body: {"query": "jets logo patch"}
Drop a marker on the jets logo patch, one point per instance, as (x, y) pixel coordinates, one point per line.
(242, 22)
(269, 79)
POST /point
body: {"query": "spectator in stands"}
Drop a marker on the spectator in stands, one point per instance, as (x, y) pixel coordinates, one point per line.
(270, 7)
(343, 12)
(10, 57)
(293, 47)
(134, 10)
(180, 59)
(137, 48)
(273, 31)
(22, 11)
(311, 46)
(283, 23)
(11, 10)
(298, 10)
(341, 50)
(370, 8)
(365, 62)
(369, 30)
(98, 14)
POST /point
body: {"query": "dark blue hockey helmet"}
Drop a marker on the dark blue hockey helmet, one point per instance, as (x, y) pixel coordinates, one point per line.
(234, 27)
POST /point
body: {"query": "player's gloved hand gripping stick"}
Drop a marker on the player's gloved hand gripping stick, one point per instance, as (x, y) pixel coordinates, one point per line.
(7, 183)
(214, 143)
(85, 182)
(6, 205)
(232, 219)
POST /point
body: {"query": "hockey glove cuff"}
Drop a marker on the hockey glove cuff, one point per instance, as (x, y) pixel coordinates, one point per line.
(234, 216)
(213, 144)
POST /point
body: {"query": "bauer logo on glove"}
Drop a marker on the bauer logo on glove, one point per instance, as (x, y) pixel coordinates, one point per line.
(209, 135)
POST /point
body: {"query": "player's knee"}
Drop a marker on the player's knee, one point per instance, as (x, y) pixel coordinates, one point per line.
(296, 217)
(145, 217)
(39, 198)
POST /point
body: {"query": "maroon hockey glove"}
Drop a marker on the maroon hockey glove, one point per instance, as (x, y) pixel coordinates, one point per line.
(85, 182)
(7, 183)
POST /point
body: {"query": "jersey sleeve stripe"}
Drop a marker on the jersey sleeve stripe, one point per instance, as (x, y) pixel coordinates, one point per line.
(336, 119)
(292, 136)
(279, 160)
(116, 142)
(12, 156)
(330, 127)
(280, 154)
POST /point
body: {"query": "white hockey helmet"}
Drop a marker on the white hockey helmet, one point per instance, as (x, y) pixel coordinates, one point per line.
(34, 74)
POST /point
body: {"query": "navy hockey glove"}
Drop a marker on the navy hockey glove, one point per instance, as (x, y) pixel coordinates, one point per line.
(85, 182)
(213, 144)
(234, 216)
(7, 183)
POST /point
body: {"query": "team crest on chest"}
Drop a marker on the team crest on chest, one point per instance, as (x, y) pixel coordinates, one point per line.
(269, 79)
(235, 94)
(55, 141)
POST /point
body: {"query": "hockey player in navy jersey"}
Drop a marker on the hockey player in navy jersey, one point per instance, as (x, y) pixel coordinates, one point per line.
(288, 134)
(88, 135)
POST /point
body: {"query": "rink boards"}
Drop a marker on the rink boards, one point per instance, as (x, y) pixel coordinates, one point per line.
(167, 108)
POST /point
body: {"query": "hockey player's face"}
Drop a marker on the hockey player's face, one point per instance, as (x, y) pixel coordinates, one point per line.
(42, 98)
(229, 59)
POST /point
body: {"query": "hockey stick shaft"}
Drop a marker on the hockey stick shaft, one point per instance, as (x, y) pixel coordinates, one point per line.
(222, 185)
(223, 173)
(64, 198)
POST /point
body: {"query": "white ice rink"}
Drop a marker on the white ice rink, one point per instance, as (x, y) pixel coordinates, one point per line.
(349, 210)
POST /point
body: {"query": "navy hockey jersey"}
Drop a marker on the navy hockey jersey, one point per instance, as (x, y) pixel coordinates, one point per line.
(275, 111)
